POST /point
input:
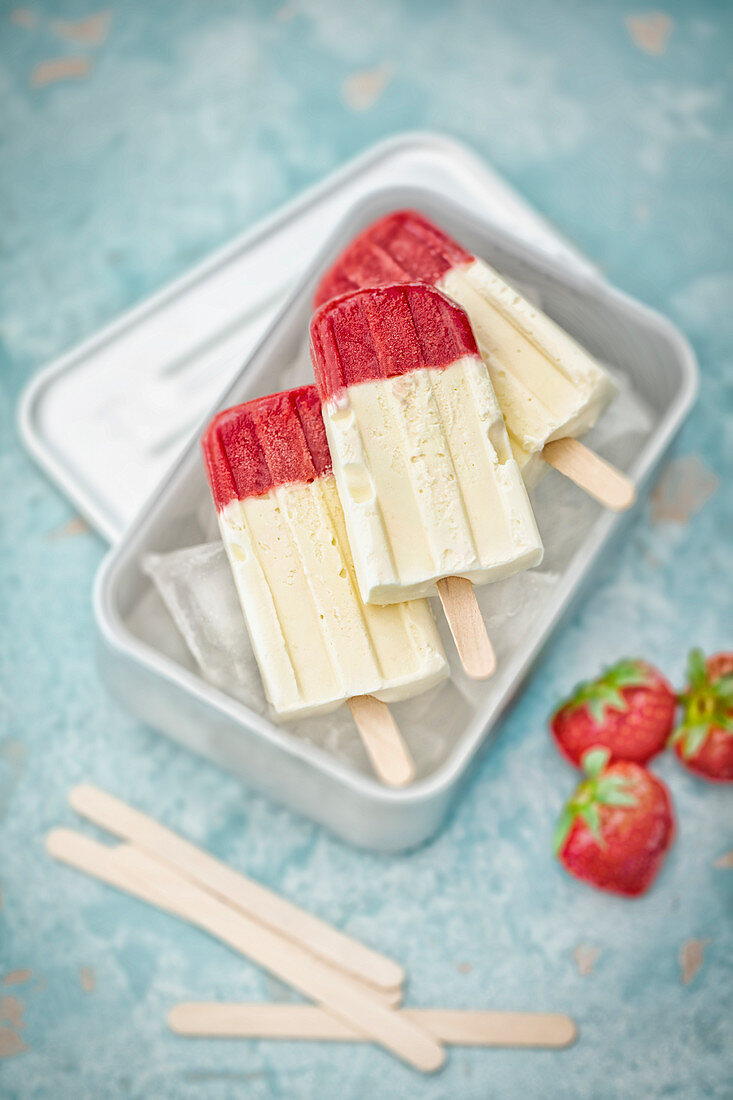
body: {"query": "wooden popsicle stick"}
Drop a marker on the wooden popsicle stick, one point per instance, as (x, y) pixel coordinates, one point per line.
(114, 874)
(144, 875)
(383, 741)
(236, 889)
(592, 473)
(472, 1027)
(467, 627)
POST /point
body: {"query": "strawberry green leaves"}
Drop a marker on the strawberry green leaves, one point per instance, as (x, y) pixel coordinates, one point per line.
(598, 789)
(690, 738)
(724, 689)
(606, 691)
(595, 761)
(696, 670)
(592, 817)
(707, 705)
(562, 829)
(629, 710)
(614, 791)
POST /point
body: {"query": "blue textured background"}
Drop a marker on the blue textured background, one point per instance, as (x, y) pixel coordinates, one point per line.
(193, 120)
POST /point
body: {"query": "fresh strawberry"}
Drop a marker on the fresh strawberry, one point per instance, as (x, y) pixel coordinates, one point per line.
(704, 738)
(719, 665)
(617, 827)
(629, 710)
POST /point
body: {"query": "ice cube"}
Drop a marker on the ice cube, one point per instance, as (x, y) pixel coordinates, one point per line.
(336, 734)
(565, 515)
(510, 607)
(431, 724)
(207, 519)
(197, 587)
(149, 619)
(623, 427)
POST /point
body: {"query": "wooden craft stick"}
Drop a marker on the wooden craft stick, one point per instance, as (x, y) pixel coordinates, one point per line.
(459, 1027)
(286, 960)
(467, 627)
(592, 473)
(383, 741)
(287, 919)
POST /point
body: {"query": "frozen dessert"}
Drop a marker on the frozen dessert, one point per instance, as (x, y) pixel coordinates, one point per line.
(547, 385)
(428, 483)
(316, 644)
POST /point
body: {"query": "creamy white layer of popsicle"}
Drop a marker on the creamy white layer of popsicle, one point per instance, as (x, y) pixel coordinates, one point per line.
(316, 643)
(428, 483)
(547, 385)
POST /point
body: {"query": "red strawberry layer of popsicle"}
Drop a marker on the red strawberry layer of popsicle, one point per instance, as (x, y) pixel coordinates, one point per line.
(421, 457)
(385, 331)
(273, 440)
(403, 247)
(548, 387)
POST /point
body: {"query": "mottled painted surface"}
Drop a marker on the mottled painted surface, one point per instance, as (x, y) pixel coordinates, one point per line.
(175, 126)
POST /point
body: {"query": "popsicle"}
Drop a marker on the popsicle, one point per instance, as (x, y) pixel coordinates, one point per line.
(316, 644)
(430, 489)
(550, 389)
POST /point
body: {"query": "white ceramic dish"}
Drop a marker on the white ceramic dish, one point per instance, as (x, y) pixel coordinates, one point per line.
(156, 680)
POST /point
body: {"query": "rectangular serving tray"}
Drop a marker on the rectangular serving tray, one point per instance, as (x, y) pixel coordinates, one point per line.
(163, 688)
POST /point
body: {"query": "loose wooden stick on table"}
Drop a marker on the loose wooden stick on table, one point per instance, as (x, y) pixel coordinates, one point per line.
(592, 473)
(383, 741)
(467, 626)
(236, 889)
(289, 962)
(296, 1021)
